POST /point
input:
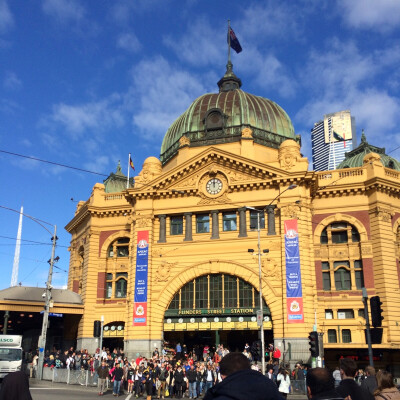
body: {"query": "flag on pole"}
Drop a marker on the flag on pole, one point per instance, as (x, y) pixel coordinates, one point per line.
(131, 162)
(338, 137)
(233, 41)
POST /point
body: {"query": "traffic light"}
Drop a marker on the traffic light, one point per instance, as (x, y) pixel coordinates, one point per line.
(97, 329)
(376, 311)
(256, 350)
(314, 344)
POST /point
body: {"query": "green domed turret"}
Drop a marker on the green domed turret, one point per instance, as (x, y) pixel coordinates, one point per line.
(220, 117)
(355, 157)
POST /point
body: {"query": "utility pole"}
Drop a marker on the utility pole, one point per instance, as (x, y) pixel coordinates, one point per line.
(47, 298)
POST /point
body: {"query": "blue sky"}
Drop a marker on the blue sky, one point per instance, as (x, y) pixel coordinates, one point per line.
(84, 83)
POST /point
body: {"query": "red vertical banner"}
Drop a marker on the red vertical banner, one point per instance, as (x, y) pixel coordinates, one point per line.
(141, 277)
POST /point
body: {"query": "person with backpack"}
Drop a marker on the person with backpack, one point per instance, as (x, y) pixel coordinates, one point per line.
(162, 377)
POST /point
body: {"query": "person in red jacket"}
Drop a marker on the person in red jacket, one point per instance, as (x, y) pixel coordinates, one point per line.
(276, 355)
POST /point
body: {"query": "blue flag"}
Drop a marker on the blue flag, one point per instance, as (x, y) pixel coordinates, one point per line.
(233, 40)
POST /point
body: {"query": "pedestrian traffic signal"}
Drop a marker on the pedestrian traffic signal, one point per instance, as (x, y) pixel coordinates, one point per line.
(256, 350)
(97, 329)
(314, 345)
(376, 311)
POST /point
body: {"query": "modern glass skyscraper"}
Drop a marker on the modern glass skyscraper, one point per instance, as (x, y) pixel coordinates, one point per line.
(331, 138)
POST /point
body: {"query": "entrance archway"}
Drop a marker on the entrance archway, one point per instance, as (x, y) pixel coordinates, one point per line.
(215, 309)
(113, 335)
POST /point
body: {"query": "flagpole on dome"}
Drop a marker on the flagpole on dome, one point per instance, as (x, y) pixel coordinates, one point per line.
(229, 41)
(129, 164)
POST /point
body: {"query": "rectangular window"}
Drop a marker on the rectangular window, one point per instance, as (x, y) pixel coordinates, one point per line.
(187, 296)
(109, 278)
(332, 336)
(230, 291)
(177, 225)
(342, 279)
(246, 295)
(346, 336)
(215, 291)
(174, 305)
(359, 275)
(202, 223)
(328, 314)
(254, 219)
(121, 284)
(326, 280)
(229, 221)
(361, 313)
(345, 314)
(339, 237)
(202, 292)
(325, 265)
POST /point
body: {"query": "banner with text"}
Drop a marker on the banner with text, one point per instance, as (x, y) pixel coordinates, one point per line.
(294, 293)
(142, 266)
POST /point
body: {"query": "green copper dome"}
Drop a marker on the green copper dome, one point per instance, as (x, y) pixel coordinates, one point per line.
(221, 117)
(355, 157)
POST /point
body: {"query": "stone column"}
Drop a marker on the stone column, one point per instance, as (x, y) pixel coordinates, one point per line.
(271, 220)
(215, 226)
(188, 227)
(163, 237)
(242, 222)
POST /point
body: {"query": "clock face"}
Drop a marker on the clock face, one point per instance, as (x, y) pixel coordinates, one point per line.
(214, 186)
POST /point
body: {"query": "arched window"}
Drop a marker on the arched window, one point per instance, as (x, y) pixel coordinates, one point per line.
(216, 291)
(347, 274)
(119, 248)
(116, 284)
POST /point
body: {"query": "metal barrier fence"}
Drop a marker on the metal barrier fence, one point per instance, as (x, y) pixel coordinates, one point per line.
(71, 377)
(298, 387)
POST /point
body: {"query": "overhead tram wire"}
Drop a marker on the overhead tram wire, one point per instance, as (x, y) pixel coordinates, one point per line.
(52, 163)
(30, 241)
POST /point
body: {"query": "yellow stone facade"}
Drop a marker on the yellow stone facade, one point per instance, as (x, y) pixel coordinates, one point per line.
(252, 175)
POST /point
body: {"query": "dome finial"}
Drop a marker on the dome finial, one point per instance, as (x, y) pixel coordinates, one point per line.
(363, 137)
(229, 81)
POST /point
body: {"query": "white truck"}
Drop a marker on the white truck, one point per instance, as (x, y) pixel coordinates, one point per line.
(10, 354)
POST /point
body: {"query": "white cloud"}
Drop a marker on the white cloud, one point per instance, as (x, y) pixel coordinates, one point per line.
(382, 15)
(11, 81)
(267, 72)
(161, 93)
(63, 10)
(93, 116)
(6, 18)
(200, 45)
(129, 42)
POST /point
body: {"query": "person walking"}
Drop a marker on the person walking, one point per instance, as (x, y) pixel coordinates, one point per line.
(369, 383)
(192, 377)
(118, 376)
(386, 389)
(283, 380)
(103, 373)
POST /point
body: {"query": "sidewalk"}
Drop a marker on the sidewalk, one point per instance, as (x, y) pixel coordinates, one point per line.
(36, 383)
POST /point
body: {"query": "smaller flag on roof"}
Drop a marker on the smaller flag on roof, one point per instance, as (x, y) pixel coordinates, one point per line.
(233, 41)
(131, 162)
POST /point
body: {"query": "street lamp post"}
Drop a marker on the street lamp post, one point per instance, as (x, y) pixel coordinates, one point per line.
(47, 298)
(260, 272)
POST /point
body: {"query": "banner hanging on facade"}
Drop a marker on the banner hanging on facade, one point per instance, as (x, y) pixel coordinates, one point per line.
(142, 266)
(294, 293)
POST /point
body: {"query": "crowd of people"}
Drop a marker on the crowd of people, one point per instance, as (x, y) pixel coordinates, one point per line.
(178, 373)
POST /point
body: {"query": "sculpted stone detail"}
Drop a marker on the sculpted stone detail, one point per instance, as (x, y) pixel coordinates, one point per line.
(151, 169)
(237, 176)
(383, 214)
(163, 271)
(271, 269)
(290, 211)
(247, 133)
(184, 141)
(189, 182)
(223, 199)
(341, 253)
(366, 250)
(289, 154)
(144, 222)
(317, 253)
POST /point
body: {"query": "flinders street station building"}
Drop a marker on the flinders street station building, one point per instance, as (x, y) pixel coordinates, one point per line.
(230, 207)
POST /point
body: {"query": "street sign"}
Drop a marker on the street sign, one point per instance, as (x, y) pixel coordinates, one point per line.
(51, 314)
(259, 318)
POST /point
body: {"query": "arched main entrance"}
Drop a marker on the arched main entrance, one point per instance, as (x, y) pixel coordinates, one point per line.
(215, 309)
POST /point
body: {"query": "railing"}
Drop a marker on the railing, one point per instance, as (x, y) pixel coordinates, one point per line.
(298, 387)
(113, 197)
(71, 377)
(391, 173)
